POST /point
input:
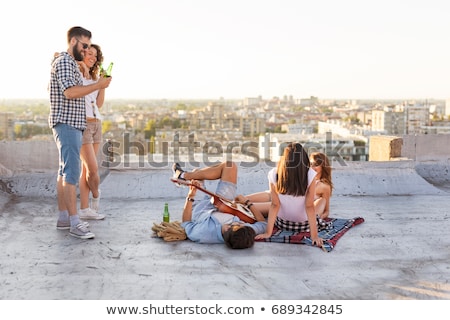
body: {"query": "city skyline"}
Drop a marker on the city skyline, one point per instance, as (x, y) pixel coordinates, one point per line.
(210, 49)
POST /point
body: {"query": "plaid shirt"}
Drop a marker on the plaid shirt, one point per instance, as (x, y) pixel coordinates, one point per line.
(65, 74)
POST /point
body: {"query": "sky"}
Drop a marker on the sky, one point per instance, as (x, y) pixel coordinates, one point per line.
(208, 49)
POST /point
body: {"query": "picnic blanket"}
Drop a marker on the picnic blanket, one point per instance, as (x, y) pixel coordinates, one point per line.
(330, 231)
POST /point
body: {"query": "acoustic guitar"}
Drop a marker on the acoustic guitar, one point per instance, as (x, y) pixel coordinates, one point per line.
(224, 205)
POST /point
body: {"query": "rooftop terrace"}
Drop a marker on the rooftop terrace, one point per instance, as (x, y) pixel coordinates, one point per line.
(401, 251)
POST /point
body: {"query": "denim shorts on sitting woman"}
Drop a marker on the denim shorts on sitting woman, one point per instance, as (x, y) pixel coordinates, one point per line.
(68, 141)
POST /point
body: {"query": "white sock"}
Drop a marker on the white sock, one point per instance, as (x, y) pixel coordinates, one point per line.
(74, 220)
(63, 215)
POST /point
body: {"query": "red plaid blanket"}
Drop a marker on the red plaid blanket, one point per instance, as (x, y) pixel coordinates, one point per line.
(330, 232)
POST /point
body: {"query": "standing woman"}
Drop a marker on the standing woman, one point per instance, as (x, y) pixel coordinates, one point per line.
(92, 136)
(324, 185)
(292, 190)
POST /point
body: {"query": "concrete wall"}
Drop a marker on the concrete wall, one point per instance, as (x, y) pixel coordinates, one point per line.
(36, 156)
(420, 148)
(29, 169)
(428, 147)
(356, 179)
(28, 156)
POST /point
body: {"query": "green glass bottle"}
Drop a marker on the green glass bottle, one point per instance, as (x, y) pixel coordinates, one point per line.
(108, 71)
(102, 71)
(166, 214)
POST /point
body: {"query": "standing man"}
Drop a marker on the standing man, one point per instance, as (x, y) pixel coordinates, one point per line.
(67, 120)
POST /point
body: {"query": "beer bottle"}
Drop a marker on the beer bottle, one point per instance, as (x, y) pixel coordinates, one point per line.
(109, 70)
(166, 214)
(102, 71)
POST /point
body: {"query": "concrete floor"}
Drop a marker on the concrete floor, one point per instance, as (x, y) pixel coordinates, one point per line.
(401, 251)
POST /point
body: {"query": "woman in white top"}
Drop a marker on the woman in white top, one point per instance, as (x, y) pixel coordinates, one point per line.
(92, 136)
(292, 194)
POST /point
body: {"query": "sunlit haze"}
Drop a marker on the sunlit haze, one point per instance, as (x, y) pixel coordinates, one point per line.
(237, 48)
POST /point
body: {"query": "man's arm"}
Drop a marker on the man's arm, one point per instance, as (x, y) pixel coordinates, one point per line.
(81, 91)
(187, 210)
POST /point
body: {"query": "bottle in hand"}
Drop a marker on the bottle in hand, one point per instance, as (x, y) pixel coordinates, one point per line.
(106, 73)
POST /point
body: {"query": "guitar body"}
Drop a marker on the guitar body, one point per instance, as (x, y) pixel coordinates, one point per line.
(224, 205)
(236, 209)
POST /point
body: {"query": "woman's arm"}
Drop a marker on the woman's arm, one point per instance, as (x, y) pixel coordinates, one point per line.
(322, 201)
(310, 212)
(100, 98)
(326, 194)
(273, 213)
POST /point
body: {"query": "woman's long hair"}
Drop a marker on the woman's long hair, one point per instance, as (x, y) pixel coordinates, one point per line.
(95, 70)
(320, 159)
(292, 171)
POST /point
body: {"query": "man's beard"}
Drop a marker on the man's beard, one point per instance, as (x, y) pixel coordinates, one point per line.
(77, 54)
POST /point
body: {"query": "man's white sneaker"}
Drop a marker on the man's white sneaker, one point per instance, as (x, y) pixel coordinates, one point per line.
(65, 224)
(89, 214)
(81, 232)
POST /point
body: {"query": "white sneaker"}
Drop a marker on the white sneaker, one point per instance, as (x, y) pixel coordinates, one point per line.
(89, 214)
(65, 224)
(81, 232)
(95, 202)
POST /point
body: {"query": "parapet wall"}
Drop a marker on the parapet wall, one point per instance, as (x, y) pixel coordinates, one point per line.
(420, 148)
(356, 179)
(36, 156)
(427, 147)
(29, 169)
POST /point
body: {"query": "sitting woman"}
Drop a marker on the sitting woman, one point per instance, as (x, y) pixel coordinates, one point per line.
(324, 186)
(292, 191)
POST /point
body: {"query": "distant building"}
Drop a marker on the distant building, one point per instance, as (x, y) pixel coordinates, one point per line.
(6, 125)
(309, 101)
(338, 148)
(252, 101)
(298, 128)
(416, 117)
(389, 122)
(409, 119)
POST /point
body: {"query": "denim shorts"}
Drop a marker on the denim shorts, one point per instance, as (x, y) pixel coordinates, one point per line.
(226, 190)
(204, 207)
(68, 142)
